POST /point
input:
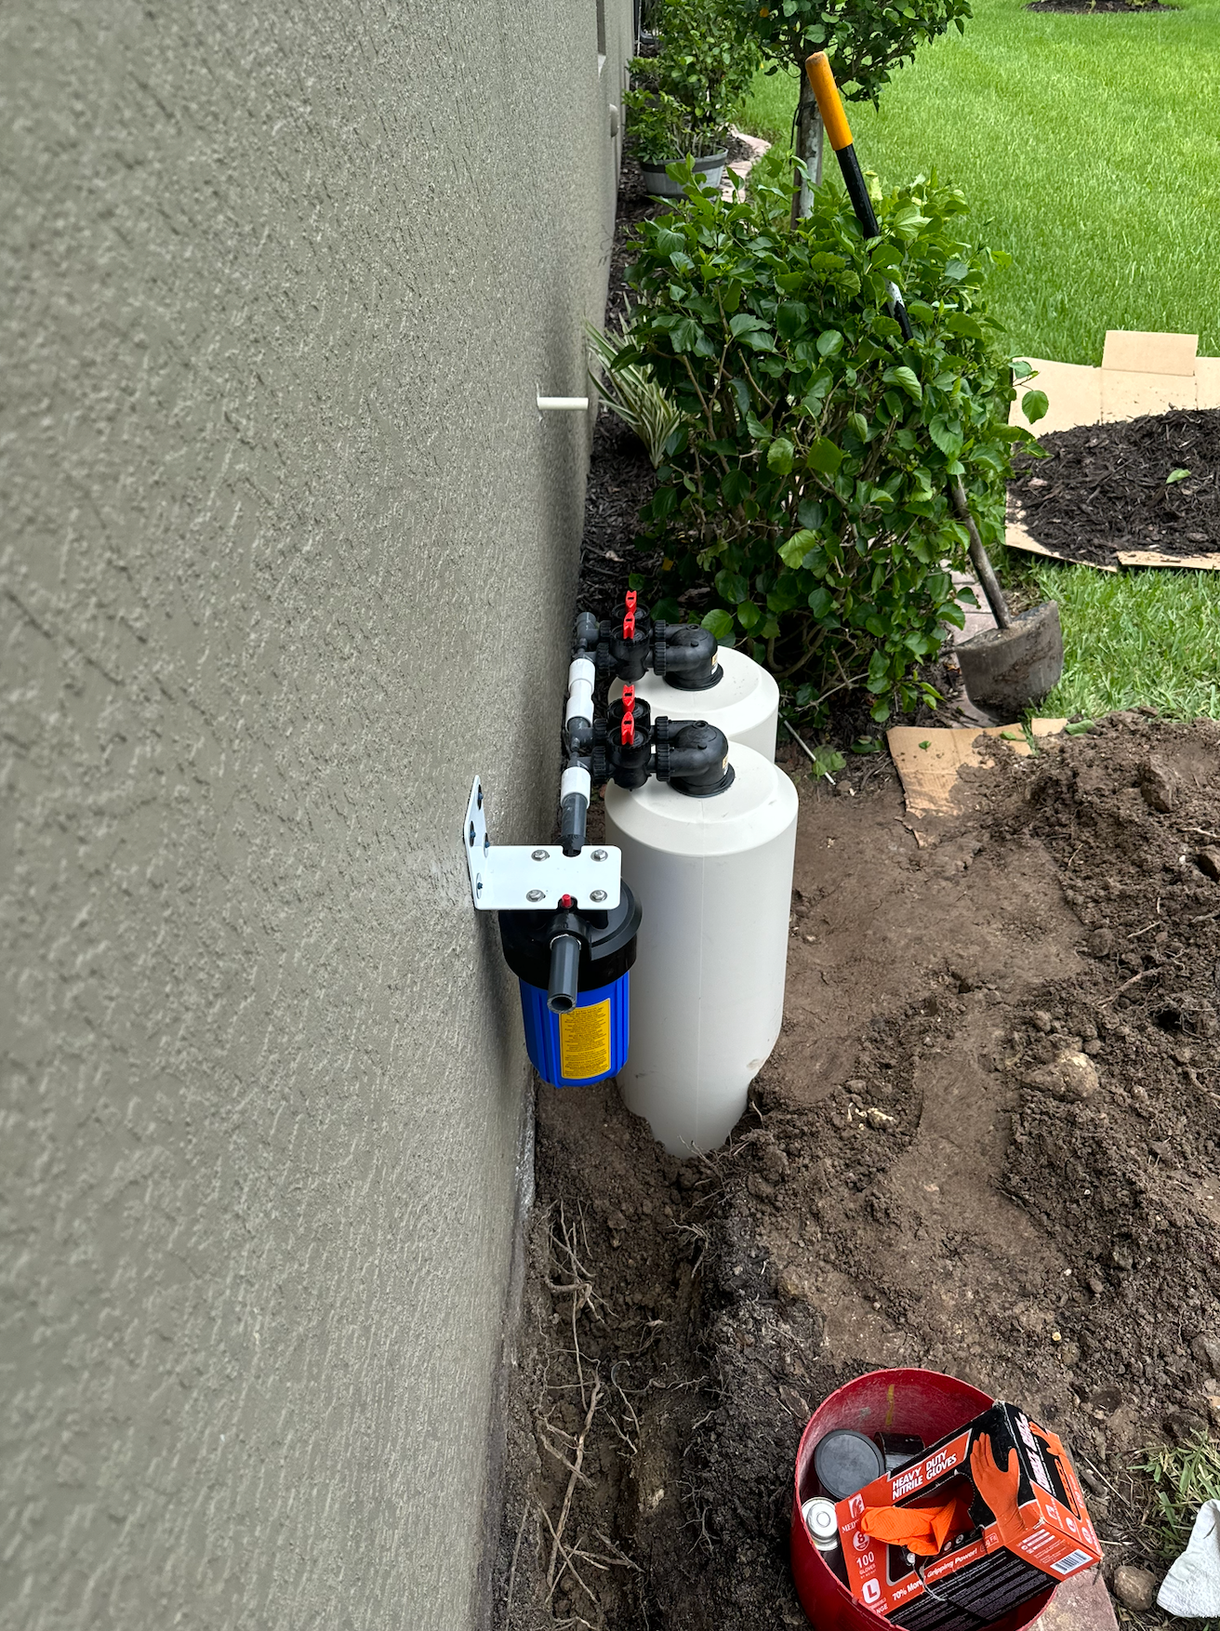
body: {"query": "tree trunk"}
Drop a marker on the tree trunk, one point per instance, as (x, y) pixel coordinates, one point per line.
(809, 149)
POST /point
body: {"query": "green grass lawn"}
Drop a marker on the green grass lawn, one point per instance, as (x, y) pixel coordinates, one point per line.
(1089, 148)
(1150, 637)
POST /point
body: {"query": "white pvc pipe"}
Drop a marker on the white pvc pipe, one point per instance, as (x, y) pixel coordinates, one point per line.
(582, 676)
(572, 404)
(575, 780)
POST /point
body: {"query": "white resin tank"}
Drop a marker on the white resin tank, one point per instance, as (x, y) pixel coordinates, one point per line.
(714, 878)
(744, 703)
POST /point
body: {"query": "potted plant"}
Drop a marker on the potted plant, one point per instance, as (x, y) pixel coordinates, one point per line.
(683, 98)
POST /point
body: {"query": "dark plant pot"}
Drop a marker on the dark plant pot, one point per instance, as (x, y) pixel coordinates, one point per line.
(709, 169)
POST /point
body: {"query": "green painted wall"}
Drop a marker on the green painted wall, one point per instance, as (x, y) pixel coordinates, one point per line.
(287, 556)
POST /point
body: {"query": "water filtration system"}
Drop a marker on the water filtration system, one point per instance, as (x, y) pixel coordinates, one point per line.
(659, 956)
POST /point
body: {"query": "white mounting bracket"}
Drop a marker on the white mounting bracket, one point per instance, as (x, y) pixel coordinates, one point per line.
(525, 878)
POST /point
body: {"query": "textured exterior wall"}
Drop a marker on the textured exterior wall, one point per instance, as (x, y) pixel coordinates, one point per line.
(287, 556)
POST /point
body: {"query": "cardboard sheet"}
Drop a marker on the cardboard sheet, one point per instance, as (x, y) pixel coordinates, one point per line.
(1150, 557)
(1207, 381)
(1134, 394)
(1073, 394)
(928, 761)
(1137, 352)
(1016, 537)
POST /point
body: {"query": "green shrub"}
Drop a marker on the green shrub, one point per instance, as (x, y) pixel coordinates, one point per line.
(807, 483)
(684, 98)
(865, 39)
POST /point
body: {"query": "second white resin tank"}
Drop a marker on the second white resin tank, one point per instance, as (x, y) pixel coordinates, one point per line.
(714, 879)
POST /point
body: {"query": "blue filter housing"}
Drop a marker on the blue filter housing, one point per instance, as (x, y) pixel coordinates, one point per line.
(589, 1041)
(584, 1045)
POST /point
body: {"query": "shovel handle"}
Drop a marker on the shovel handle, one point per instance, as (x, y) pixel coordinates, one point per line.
(978, 556)
(830, 104)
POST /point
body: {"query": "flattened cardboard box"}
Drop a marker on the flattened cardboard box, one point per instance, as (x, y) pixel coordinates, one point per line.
(1033, 1532)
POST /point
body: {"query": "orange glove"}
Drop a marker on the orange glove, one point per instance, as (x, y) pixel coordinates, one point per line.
(998, 1487)
(921, 1529)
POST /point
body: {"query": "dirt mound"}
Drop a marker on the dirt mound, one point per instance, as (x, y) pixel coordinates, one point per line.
(985, 1143)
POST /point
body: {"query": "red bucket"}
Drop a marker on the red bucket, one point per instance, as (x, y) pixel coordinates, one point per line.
(897, 1401)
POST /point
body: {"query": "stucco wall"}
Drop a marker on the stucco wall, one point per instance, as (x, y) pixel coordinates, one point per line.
(287, 556)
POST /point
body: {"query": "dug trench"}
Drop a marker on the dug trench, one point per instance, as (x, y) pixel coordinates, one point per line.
(986, 1143)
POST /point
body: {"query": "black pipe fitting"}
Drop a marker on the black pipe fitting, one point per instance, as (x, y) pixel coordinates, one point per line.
(579, 738)
(689, 663)
(682, 654)
(626, 657)
(629, 763)
(696, 758)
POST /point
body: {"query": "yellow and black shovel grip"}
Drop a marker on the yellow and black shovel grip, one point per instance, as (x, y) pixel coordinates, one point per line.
(838, 131)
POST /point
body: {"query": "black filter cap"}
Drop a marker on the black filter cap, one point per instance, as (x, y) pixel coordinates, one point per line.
(845, 1461)
(607, 942)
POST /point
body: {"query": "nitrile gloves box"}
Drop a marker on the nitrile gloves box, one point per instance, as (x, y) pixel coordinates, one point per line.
(981, 1522)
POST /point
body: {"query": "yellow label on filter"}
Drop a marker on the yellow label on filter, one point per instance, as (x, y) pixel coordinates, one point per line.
(584, 1041)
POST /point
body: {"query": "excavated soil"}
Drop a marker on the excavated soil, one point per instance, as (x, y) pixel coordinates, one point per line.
(1151, 484)
(986, 1142)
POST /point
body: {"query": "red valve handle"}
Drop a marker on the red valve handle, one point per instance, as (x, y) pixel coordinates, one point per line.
(627, 737)
(629, 620)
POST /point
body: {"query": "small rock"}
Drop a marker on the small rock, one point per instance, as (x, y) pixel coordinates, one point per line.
(791, 1284)
(1041, 1021)
(1157, 784)
(1071, 1076)
(1069, 1354)
(1100, 943)
(878, 1118)
(1208, 862)
(1206, 1349)
(1135, 1588)
(1213, 1409)
(617, 1222)
(1092, 1047)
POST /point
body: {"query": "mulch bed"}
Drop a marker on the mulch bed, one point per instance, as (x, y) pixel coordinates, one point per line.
(1105, 488)
(1096, 5)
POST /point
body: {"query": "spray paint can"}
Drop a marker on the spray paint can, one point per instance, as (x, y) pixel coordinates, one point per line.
(822, 1522)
